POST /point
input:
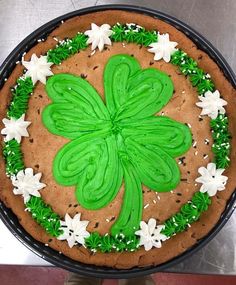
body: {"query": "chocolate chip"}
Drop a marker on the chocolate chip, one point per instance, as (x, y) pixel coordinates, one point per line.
(83, 75)
(50, 240)
(96, 225)
(151, 62)
(36, 166)
(179, 194)
(38, 111)
(200, 57)
(70, 205)
(31, 140)
(76, 205)
(95, 67)
(200, 119)
(40, 96)
(184, 179)
(112, 219)
(177, 201)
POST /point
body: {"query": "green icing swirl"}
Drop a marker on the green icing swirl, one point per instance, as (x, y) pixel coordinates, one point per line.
(108, 243)
(67, 48)
(108, 142)
(20, 97)
(201, 201)
(221, 141)
(189, 213)
(13, 157)
(188, 66)
(44, 215)
(134, 34)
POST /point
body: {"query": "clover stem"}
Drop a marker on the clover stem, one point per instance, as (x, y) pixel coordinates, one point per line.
(131, 210)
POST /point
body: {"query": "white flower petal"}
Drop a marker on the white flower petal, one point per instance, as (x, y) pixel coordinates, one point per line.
(212, 179)
(163, 48)
(211, 104)
(15, 128)
(150, 234)
(99, 36)
(26, 184)
(75, 231)
(148, 245)
(38, 68)
(151, 225)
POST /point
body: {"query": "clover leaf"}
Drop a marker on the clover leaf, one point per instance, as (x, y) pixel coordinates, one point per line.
(119, 141)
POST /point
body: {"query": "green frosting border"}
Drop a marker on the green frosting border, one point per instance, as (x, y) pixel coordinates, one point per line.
(189, 212)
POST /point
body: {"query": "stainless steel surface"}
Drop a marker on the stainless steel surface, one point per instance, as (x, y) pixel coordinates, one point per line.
(214, 19)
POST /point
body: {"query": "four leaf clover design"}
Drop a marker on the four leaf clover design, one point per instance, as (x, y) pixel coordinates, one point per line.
(121, 140)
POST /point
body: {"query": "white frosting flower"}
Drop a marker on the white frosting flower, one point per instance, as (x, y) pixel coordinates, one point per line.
(74, 230)
(211, 104)
(99, 36)
(26, 184)
(15, 128)
(163, 48)
(211, 179)
(150, 234)
(38, 68)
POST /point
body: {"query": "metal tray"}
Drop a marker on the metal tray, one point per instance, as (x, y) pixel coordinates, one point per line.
(52, 256)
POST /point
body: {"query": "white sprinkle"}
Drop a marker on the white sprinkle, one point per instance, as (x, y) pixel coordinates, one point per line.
(60, 252)
(194, 144)
(46, 244)
(17, 62)
(183, 91)
(158, 197)
(205, 156)
(39, 40)
(107, 220)
(5, 79)
(196, 152)
(162, 113)
(93, 52)
(180, 162)
(206, 141)
(227, 158)
(55, 39)
(123, 44)
(171, 191)
(189, 126)
(62, 21)
(207, 75)
(189, 225)
(195, 184)
(145, 207)
(154, 201)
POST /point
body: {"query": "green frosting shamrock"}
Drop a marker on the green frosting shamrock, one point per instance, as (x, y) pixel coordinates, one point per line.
(119, 141)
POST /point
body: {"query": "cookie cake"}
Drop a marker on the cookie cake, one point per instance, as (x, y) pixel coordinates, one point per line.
(117, 138)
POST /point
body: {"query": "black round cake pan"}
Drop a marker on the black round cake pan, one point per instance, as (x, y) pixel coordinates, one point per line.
(54, 257)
